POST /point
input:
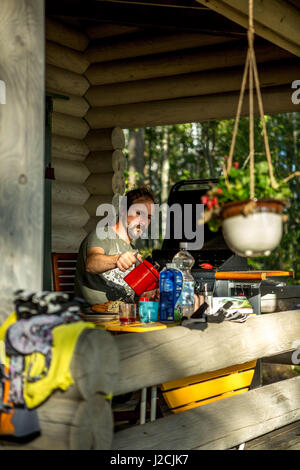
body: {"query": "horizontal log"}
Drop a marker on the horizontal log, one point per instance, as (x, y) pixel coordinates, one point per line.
(69, 215)
(275, 20)
(95, 365)
(66, 58)
(65, 240)
(66, 35)
(151, 359)
(151, 44)
(70, 171)
(72, 425)
(221, 424)
(74, 106)
(99, 184)
(106, 139)
(291, 358)
(105, 30)
(94, 201)
(69, 126)
(69, 193)
(203, 83)
(68, 148)
(106, 161)
(176, 63)
(65, 82)
(182, 110)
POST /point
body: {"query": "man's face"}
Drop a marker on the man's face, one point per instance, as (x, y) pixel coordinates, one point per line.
(139, 217)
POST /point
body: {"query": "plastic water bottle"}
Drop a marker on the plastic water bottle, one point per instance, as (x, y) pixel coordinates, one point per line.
(184, 261)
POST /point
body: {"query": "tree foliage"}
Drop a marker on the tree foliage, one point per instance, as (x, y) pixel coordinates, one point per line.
(197, 150)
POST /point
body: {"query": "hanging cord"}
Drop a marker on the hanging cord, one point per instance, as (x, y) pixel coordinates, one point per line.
(251, 70)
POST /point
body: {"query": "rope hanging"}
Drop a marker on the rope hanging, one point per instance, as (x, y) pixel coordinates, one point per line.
(250, 72)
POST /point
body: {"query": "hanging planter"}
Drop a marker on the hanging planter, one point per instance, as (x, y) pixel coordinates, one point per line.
(249, 203)
(254, 233)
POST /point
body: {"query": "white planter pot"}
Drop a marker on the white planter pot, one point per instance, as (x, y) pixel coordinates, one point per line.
(256, 234)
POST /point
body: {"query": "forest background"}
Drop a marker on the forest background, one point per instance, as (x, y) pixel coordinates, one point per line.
(161, 156)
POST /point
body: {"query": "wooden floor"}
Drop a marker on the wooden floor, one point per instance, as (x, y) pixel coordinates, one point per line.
(286, 438)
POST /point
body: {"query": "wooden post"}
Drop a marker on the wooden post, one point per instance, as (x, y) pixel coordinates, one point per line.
(22, 126)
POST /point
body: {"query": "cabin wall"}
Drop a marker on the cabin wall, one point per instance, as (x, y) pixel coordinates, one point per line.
(88, 167)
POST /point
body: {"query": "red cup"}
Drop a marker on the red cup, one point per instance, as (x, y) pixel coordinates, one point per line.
(143, 277)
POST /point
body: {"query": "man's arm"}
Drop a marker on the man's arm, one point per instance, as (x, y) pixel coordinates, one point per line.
(97, 262)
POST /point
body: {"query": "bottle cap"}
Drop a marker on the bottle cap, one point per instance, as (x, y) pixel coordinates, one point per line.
(144, 299)
(183, 245)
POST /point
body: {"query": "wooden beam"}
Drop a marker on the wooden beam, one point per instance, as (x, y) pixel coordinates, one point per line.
(68, 148)
(223, 345)
(66, 58)
(65, 240)
(106, 139)
(21, 148)
(176, 63)
(107, 30)
(69, 215)
(65, 82)
(182, 110)
(69, 193)
(65, 35)
(145, 16)
(275, 20)
(69, 126)
(76, 106)
(70, 171)
(106, 161)
(202, 83)
(219, 425)
(151, 44)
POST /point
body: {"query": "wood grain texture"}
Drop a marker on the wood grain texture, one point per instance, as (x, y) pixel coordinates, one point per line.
(106, 139)
(66, 35)
(176, 63)
(70, 171)
(195, 84)
(69, 126)
(182, 110)
(151, 44)
(275, 20)
(105, 30)
(65, 81)
(68, 148)
(69, 193)
(150, 359)
(69, 215)
(65, 240)
(21, 148)
(72, 425)
(285, 438)
(75, 105)
(106, 161)
(66, 58)
(221, 424)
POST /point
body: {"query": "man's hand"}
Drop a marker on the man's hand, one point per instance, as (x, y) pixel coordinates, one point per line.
(126, 260)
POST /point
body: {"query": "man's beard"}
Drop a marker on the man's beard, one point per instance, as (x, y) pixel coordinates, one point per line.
(136, 231)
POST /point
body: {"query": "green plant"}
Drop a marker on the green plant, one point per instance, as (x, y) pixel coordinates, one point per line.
(235, 186)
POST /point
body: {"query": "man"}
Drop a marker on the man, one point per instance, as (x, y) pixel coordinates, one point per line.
(104, 261)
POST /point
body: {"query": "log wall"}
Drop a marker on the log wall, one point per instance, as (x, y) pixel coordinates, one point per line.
(86, 165)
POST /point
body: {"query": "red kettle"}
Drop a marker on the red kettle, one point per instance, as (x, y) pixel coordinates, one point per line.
(143, 277)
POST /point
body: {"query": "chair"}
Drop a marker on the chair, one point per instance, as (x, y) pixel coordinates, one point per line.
(190, 392)
(63, 270)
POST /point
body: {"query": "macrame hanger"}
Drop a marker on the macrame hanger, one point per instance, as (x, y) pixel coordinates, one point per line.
(251, 72)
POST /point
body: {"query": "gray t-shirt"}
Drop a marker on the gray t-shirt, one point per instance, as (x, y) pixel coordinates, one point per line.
(110, 285)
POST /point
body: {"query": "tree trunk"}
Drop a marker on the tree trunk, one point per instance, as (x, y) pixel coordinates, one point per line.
(136, 156)
(164, 178)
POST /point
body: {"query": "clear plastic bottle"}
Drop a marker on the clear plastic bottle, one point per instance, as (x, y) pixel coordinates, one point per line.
(184, 261)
